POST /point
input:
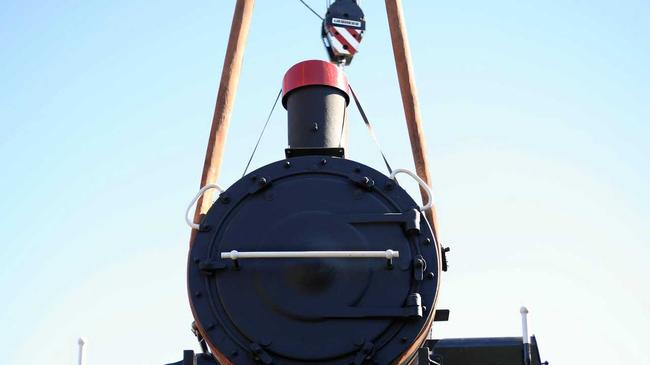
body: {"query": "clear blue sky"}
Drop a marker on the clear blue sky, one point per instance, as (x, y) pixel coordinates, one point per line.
(536, 114)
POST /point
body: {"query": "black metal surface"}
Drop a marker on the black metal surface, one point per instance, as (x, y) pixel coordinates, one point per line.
(535, 358)
(441, 315)
(325, 311)
(325, 152)
(480, 351)
(445, 264)
(316, 116)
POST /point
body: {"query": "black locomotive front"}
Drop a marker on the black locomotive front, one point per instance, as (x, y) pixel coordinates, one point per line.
(315, 259)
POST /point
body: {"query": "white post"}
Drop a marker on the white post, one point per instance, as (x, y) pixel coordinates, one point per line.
(525, 338)
(81, 343)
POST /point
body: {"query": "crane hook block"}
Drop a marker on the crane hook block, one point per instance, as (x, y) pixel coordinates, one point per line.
(342, 30)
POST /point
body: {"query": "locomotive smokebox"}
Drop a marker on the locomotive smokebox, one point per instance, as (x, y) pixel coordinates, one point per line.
(315, 94)
(313, 260)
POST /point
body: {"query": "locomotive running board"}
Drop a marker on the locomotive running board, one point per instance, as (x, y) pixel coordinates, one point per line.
(477, 351)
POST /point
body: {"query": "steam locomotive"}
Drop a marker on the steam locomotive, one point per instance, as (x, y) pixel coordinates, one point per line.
(318, 259)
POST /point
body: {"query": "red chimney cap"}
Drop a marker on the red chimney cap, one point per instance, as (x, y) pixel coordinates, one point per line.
(314, 72)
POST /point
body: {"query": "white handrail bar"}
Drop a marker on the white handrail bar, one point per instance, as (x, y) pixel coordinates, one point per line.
(235, 255)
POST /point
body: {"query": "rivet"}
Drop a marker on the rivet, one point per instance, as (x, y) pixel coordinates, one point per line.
(323, 161)
(287, 164)
(430, 275)
(314, 127)
(427, 241)
(262, 181)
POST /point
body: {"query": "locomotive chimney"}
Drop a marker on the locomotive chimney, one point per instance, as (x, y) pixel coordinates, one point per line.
(315, 94)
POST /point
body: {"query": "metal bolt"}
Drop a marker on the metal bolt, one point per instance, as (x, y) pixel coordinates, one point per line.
(323, 161)
(314, 127)
(262, 181)
(430, 275)
(287, 164)
(367, 181)
(427, 241)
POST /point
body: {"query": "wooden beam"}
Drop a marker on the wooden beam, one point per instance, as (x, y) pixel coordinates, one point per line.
(225, 100)
(406, 78)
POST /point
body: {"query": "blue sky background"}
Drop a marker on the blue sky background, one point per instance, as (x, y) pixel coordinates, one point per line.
(536, 116)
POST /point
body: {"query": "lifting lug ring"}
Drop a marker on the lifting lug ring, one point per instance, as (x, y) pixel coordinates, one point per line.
(422, 184)
(188, 220)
